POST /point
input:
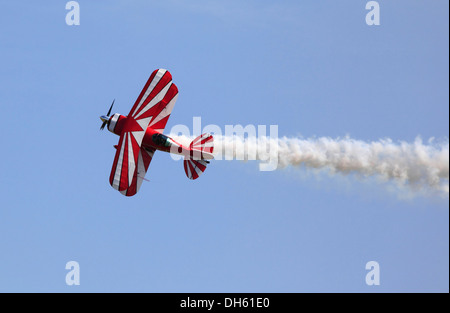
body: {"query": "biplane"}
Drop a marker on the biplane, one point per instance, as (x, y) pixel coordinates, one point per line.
(141, 134)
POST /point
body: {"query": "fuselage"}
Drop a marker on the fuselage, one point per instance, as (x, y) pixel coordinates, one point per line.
(155, 140)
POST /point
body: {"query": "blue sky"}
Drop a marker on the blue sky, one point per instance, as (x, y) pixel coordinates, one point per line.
(314, 68)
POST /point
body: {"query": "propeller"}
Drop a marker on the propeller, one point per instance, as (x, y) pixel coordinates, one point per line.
(105, 118)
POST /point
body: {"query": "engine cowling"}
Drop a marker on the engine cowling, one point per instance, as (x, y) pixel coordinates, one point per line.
(115, 123)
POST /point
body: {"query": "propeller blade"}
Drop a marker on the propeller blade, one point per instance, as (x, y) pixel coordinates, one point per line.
(103, 118)
(109, 112)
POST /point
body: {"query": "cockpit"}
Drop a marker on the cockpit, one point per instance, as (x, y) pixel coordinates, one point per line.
(161, 140)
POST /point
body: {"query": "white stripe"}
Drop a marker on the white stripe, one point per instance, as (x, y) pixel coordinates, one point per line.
(204, 136)
(152, 85)
(155, 100)
(113, 122)
(131, 163)
(166, 111)
(198, 140)
(188, 170)
(138, 135)
(116, 180)
(208, 144)
(141, 171)
(143, 122)
(197, 169)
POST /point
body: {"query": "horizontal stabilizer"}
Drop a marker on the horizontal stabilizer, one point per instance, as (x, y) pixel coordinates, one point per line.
(201, 149)
(194, 168)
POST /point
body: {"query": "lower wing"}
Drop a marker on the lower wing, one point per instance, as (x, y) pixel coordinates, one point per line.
(130, 165)
(144, 159)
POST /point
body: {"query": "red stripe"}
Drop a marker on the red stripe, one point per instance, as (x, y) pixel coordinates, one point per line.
(199, 165)
(133, 188)
(146, 158)
(209, 149)
(156, 110)
(131, 191)
(166, 79)
(199, 143)
(193, 172)
(207, 139)
(161, 124)
(185, 168)
(196, 141)
(124, 173)
(116, 160)
(136, 149)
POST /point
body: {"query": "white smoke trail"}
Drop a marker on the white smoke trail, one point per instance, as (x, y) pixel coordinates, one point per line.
(417, 165)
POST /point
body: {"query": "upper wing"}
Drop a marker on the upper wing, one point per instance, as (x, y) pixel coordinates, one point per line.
(156, 101)
(152, 108)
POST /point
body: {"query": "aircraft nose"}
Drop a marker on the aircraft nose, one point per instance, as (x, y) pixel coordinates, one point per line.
(104, 118)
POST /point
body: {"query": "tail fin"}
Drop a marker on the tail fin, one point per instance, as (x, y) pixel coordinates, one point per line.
(201, 148)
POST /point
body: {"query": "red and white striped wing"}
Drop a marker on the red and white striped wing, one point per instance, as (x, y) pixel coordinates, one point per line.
(144, 159)
(156, 101)
(130, 164)
(152, 108)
